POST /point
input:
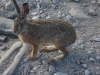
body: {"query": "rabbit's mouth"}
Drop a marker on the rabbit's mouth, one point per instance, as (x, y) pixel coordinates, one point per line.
(16, 33)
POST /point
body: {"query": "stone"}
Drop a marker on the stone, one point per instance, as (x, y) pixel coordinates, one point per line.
(98, 57)
(12, 16)
(9, 6)
(92, 12)
(96, 39)
(84, 66)
(98, 2)
(87, 72)
(92, 59)
(3, 38)
(48, 17)
(80, 41)
(68, 17)
(34, 13)
(42, 4)
(77, 13)
(85, 5)
(36, 17)
(3, 48)
(52, 69)
(76, 0)
(59, 73)
(56, 1)
(44, 62)
(93, 2)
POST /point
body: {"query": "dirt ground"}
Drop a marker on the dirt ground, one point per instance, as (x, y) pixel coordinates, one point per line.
(84, 57)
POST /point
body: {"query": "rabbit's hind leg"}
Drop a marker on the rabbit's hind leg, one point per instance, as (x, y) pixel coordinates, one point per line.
(64, 53)
(48, 48)
(33, 51)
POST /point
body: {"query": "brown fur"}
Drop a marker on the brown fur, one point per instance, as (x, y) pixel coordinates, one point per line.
(36, 32)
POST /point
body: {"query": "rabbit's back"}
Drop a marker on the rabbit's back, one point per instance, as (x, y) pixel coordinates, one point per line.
(49, 30)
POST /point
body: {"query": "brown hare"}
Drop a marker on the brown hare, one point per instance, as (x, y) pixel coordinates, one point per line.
(36, 32)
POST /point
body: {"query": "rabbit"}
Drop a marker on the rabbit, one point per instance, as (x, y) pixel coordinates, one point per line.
(36, 32)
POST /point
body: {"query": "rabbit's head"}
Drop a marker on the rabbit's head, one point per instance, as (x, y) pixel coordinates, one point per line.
(20, 21)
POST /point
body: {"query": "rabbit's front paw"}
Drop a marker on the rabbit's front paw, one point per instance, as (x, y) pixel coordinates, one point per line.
(30, 57)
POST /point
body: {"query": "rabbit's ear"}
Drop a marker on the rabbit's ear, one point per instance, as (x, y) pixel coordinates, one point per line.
(17, 7)
(25, 9)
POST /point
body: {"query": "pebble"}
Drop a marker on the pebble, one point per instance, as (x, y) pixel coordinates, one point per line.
(68, 17)
(36, 67)
(56, 1)
(34, 13)
(36, 17)
(92, 12)
(59, 73)
(92, 59)
(96, 39)
(98, 2)
(52, 69)
(76, 0)
(93, 2)
(85, 5)
(3, 38)
(48, 17)
(12, 15)
(87, 72)
(59, 52)
(3, 48)
(44, 62)
(80, 41)
(9, 6)
(98, 57)
(77, 13)
(42, 4)
(84, 66)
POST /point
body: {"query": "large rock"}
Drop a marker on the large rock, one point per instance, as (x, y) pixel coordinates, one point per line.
(6, 23)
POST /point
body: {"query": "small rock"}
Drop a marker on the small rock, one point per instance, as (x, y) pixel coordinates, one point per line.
(84, 66)
(91, 59)
(59, 52)
(3, 48)
(9, 6)
(75, 73)
(12, 16)
(85, 5)
(52, 69)
(98, 57)
(68, 17)
(36, 17)
(3, 38)
(42, 4)
(92, 12)
(89, 52)
(41, 11)
(98, 2)
(36, 67)
(48, 17)
(59, 73)
(44, 62)
(96, 39)
(56, 1)
(80, 41)
(76, 0)
(34, 13)
(77, 13)
(87, 72)
(93, 2)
